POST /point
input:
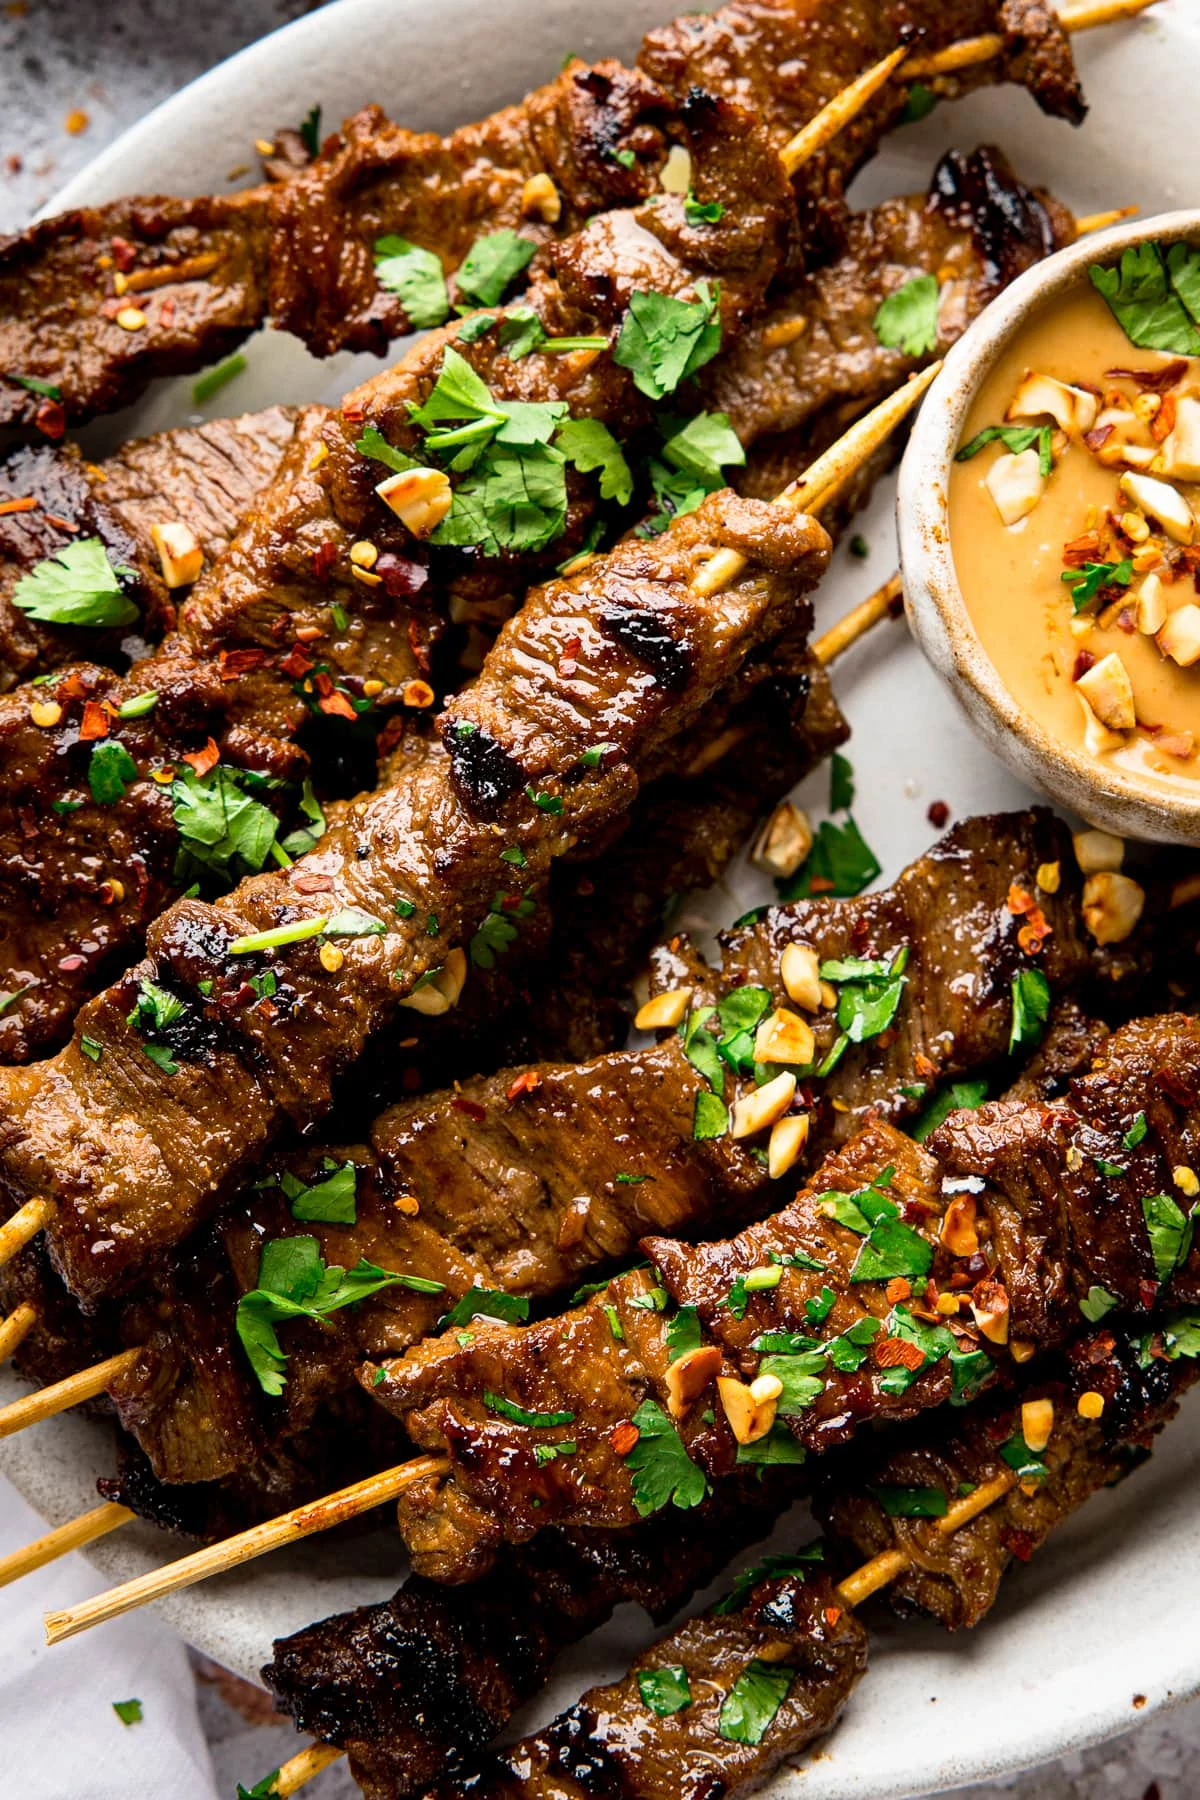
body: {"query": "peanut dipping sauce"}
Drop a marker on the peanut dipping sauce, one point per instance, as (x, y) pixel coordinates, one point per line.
(1011, 574)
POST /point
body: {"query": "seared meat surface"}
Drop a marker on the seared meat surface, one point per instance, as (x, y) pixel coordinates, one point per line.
(202, 476)
(204, 273)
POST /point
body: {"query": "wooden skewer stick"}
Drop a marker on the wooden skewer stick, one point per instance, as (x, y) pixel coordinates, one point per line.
(71, 1536)
(884, 603)
(288, 1528)
(970, 51)
(61, 1395)
(1098, 221)
(812, 488)
(856, 1588)
(16, 1328)
(838, 113)
(25, 1223)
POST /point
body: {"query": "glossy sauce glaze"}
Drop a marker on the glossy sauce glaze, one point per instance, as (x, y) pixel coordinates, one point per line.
(1012, 575)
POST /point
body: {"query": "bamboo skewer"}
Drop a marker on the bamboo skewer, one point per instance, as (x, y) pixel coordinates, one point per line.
(838, 113)
(16, 1328)
(884, 603)
(288, 1528)
(812, 489)
(857, 1587)
(970, 51)
(71, 1536)
(25, 1223)
(60, 1396)
(1099, 221)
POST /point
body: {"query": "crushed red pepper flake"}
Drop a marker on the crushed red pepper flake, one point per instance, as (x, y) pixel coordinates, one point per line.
(203, 760)
(51, 419)
(233, 663)
(525, 1083)
(471, 1107)
(95, 722)
(296, 663)
(898, 1289)
(897, 1353)
(323, 559)
(26, 503)
(938, 814)
(336, 706)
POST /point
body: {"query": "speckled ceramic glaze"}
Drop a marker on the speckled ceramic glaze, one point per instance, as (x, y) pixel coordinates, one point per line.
(1108, 1611)
(1114, 798)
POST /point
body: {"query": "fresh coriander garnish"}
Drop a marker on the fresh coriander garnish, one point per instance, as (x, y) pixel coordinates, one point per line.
(1155, 298)
(661, 1468)
(310, 130)
(492, 264)
(520, 1415)
(912, 1502)
(908, 319)
(110, 770)
(1096, 1303)
(416, 276)
(294, 1282)
(491, 1303)
(748, 1710)
(663, 341)
(959, 1096)
(221, 828)
(1030, 1008)
(1136, 1132)
(920, 103)
(702, 212)
(588, 444)
(128, 1711)
(1015, 438)
(330, 1201)
(665, 1691)
(78, 585)
(1086, 583)
(711, 1116)
(840, 864)
(1170, 1232)
(869, 993)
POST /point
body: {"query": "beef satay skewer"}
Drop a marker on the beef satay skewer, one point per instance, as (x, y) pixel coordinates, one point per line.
(850, 1593)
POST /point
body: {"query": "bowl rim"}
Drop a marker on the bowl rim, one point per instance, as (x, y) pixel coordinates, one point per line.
(1118, 799)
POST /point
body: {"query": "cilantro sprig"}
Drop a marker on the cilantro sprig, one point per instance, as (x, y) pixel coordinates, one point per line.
(1155, 298)
(1086, 582)
(908, 319)
(1030, 1009)
(416, 276)
(78, 585)
(295, 1283)
(663, 340)
(663, 1472)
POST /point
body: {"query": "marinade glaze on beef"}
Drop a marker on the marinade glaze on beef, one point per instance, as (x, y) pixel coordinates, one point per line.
(302, 250)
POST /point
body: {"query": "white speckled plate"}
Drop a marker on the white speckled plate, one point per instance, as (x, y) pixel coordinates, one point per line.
(1102, 1624)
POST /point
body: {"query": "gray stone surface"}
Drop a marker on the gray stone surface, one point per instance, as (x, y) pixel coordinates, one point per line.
(114, 63)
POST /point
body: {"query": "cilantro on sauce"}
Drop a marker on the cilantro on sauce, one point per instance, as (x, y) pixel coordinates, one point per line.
(960, 1096)
(492, 264)
(841, 863)
(1170, 1232)
(520, 1415)
(1015, 438)
(1086, 582)
(912, 1502)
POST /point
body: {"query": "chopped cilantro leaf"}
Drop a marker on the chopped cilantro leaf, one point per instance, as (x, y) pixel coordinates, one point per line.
(1030, 1008)
(266, 1789)
(768, 1568)
(548, 1453)
(327, 1202)
(545, 803)
(749, 1709)
(1096, 1303)
(310, 130)
(704, 447)
(372, 443)
(1136, 1132)
(778, 1449)
(159, 1054)
(702, 212)
(892, 1248)
(1170, 1233)
(802, 1377)
(911, 1502)
(128, 1711)
(683, 1332)
(78, 585)
(661, 1468)
(663, 340)
(869, 996)
(841, 783)
(294, 1282)
(962, 1095)
(665, 1691)
(91, 1049)
(1015, 438)
(920, 103)
(416, 276)
(711, 1117)
(908, 318)
(110, 770)
(1019, 1456)
(221, 828)
(154, 1008)
(971, 1371)
(840, 864)
(492, 264)
(1086, 583)
(588, 444)
(490, 1303)
(1154, 300)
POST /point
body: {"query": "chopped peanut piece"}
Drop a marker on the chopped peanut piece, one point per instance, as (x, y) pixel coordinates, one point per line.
(179, 554)
(1180, 636)
(1097, 850)
(1097, 738)
(46, 713)
(332, 957)
(958, 1231)
(763, 1107)
(1181, 449)
(1150, 607)
(1073, 409)
(1037, 1422)
(788, 1138)
(364, 554)
(1016, 484)
(420, 498)
(990, 1311)
(1020, 1351)
(799, 969)
(749, 1418)
(664, 1011)
(540, 199)
(689, 1375)
(784, 1037)
(131, 318)
(1091, 1404)
(442, 992)
(1049, 877)
(1109, 692)
(1112, 906)
(1162, 502)
(676, 177)
(784, 841)
(1186, 1180)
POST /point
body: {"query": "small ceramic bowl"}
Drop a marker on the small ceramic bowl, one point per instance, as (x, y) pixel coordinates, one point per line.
(1116, 799)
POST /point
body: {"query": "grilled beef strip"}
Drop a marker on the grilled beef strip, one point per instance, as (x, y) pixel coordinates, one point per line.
(616, 1744)
(202, 476)
(151, 1153)
(1016, 1258)
(955, 1578)
(303, 249)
